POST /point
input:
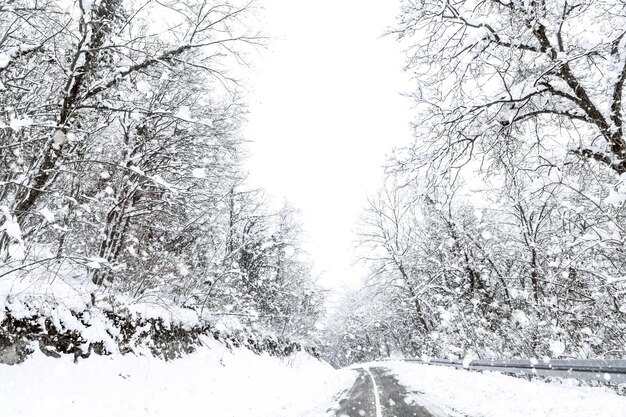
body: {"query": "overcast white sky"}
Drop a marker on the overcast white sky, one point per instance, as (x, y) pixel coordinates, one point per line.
(326, 111)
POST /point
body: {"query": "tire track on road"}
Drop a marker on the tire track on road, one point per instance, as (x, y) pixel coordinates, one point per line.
(377, 393)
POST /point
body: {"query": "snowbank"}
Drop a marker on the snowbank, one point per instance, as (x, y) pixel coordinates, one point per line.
(213, 381)
(71, 315)
(492, 394)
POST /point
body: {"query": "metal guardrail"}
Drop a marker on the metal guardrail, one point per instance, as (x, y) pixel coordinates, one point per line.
(607, 370)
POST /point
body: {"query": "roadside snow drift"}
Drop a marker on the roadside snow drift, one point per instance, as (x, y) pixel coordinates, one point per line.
(457, 392)
(213, 381)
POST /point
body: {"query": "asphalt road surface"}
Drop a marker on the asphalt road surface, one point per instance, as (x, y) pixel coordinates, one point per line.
(377, 393)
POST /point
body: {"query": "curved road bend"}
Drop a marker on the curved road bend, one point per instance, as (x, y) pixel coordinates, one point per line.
(377, 393)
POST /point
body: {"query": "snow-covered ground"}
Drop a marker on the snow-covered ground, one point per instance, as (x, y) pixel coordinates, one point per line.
(455, 392)
(215, 381)
(211, 382)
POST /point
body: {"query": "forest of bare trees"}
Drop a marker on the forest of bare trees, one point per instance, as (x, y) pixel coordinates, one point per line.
(120, 161)
(500, 231)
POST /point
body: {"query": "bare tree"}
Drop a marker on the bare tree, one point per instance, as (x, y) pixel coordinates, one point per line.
(72, 83)
(491, 71)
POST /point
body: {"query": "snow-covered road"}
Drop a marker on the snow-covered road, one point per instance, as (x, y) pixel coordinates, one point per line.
(217, 381)
(409, 389)
(377, 393)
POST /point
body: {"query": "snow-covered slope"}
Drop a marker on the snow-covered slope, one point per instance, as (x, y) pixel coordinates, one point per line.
(213, 381)
(459, 392)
